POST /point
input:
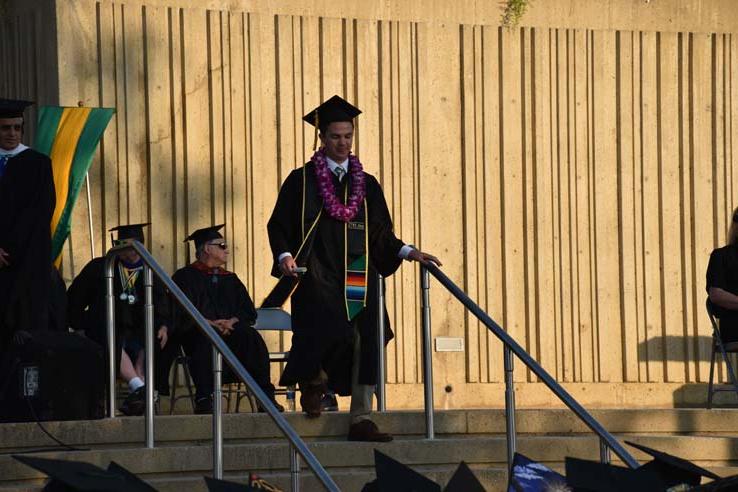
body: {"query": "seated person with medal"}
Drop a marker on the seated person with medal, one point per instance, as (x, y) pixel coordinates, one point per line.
(86, 310)
(224, 301)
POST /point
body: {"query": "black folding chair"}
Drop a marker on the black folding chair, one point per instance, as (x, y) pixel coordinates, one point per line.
(268, 319)
(725, 348)
(181, 361)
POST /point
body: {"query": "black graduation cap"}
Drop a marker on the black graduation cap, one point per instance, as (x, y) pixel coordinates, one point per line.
(201, 236)
(131, 231)
(332, 110)
(671, 469)
(73, 476)
(13, 108)
(255, 484)
(726, 484)
(215, 485)
(593, 476)
(463, 480)
(393, 476)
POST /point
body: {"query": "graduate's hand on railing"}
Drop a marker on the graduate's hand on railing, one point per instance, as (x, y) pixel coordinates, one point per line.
(287, 266)
(163, 336)
(4, 258)
(424, 258)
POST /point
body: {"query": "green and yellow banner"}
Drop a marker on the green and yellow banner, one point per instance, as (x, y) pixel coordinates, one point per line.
(69, 136)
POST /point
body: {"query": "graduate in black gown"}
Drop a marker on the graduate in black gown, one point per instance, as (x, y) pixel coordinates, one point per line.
(722, 283)
(27, 202)
(86, 311)
(332, 219)
(224, 301)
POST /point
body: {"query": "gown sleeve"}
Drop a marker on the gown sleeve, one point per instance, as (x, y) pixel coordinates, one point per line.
(245, 310)
(384, 246)
(80, 294)
(283, 226)
(181, 322)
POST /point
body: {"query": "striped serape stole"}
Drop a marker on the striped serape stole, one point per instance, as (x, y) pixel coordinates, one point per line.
(356, 286)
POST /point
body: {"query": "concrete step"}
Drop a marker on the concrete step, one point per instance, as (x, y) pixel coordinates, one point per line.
(247, 426)
(272, 457)
(183, 452)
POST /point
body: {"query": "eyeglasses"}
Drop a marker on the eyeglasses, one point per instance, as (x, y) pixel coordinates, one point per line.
(221, 245)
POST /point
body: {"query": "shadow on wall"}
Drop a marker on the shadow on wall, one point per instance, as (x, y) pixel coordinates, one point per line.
(694, 395)
(690, 349)
(675, 348)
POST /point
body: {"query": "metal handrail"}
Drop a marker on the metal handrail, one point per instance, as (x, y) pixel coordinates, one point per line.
(297, 445)
(607, 440)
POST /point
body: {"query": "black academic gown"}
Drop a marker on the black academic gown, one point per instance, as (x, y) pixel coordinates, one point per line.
(219, 294)
(27, 202)
(722, 272)
(86, 310)
(322, 333)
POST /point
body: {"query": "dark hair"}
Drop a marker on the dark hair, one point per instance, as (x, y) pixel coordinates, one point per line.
(323, 127)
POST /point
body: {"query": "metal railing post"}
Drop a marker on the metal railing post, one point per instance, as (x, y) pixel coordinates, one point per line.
(149, 321)
(381, 393)
(510, 407)
(604, 452)
(110, 326)
(427, 352)
(223, 352)
(294, 469)
(217, 415)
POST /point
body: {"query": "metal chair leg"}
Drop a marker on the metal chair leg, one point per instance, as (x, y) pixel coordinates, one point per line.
(731, 374)
(188, 383)
(173, 390)
(710, 392)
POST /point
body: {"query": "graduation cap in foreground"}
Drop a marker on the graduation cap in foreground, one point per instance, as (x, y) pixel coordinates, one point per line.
(593, 476)
(13, 108)
(72, 476)
(672, 470)
(130, 231)
(726, 484)
(255, 484)
(332, 110)
(202, 236)
(463, 480)
(530, 476)
(393, 476)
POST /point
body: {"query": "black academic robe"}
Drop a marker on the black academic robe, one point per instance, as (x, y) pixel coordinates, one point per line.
(322, 333)
(219, 294)
(86, 310)
(722, 272)
(27, 202)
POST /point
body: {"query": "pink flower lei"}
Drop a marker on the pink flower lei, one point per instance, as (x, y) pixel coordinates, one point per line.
(327, 190)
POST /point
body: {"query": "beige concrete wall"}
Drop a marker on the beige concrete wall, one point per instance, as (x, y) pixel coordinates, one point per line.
(573, 174)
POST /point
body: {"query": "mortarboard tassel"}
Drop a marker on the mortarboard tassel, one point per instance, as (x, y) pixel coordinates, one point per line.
(317, 124)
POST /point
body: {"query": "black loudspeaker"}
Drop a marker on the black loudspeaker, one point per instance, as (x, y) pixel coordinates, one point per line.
(53, 376)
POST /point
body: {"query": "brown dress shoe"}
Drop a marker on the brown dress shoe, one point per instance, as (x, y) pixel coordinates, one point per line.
(310, 398)
(366, 430)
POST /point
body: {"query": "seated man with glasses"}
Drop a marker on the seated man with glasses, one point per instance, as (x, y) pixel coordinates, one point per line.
(86, 311)
(224, 301)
